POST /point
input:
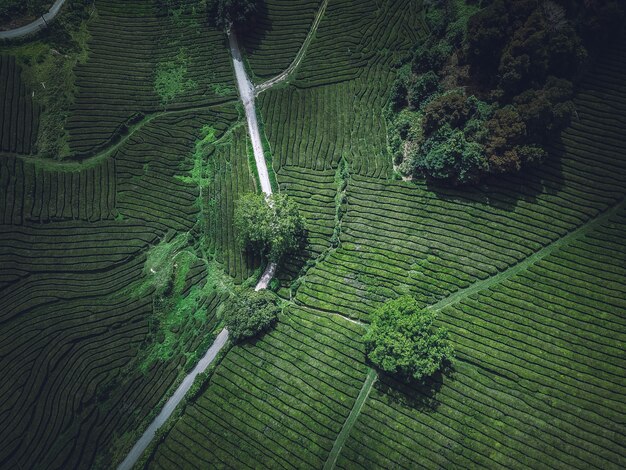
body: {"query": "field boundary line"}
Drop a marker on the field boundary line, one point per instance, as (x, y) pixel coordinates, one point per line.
(334, 314)
(532, 259)
(95, 159)
(343, 435)
(285, 74)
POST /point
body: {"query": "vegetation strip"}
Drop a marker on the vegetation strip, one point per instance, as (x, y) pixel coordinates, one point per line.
(539, 255)
(354, 415)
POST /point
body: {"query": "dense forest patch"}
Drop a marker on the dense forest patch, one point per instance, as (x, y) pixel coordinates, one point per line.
(492, 84)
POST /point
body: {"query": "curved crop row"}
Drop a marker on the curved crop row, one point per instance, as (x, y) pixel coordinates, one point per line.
(280, 28)
(32, 193)
(300, 380)
(539, 378)
(19, 114)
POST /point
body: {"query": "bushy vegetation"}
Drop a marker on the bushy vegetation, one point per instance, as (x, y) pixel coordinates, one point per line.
(171, 78)
(492, 83)
(270, 226)
(403, 340)
(13, 9)
(249, 313)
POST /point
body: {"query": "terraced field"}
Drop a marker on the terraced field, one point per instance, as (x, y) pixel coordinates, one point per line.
(515, 283)
(81, 329)
(129, 44)
(301, 381)
(527, 272)
(20, 115)
(280, 29)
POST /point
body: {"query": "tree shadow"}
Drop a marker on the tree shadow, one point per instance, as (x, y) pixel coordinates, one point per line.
(253, 33)
(421, 396)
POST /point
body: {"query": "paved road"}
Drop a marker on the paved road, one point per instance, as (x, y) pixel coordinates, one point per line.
(247, 94)
(174, 400)
(35, 26)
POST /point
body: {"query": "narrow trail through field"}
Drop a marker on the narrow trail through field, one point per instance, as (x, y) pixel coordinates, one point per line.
(352, 417)
(524, 264)
(171, 404)
(38, 24)
(299, 56)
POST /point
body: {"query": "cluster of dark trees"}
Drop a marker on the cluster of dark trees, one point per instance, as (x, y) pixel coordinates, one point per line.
(13, 9)
(492, 83)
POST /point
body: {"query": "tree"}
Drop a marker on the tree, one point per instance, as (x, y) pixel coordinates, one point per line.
(227, 13)
(248, 313)
(403, 340)
(271, 226)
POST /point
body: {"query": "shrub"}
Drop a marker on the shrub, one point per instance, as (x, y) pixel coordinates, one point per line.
(403, 340)
(249, 313)
(421, 88)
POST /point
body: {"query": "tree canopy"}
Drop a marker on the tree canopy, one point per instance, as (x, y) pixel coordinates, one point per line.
(403, 340)
(494, 81)
(227, 13)
(248, 313)
(271, 226)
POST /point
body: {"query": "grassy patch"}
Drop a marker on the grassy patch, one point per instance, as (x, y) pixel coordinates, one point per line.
(170, 80)
(201, 173)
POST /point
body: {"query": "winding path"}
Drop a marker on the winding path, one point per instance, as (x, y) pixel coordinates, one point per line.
(173, 401)
(299, 56)
(247, 93)
(39, 24)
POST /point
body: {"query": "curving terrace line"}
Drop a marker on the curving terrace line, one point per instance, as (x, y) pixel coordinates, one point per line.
(284, 75)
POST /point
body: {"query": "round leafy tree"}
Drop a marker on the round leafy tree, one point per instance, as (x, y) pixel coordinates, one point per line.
(271, 226)
(403, 340)
(249, 313)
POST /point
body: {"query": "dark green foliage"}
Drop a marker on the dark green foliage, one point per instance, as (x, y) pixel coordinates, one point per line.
(449, 156)
(270, 226)
(249, 313)
(421, 88)
(403, 340)
(520, 58)
(12, 9)
(227, 13)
